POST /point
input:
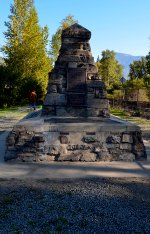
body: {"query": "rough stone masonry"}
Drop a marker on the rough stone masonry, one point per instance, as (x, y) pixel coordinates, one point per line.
(74, 124)
(75, 87)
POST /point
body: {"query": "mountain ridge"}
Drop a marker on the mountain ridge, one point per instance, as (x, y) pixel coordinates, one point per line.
(126, 60)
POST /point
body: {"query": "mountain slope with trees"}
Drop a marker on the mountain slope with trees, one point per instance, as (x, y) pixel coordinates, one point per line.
(125, 60)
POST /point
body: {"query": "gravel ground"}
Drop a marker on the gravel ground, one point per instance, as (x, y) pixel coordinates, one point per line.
(104, 205)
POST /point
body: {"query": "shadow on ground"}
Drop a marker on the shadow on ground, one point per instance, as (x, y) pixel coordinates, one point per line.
(75, 206)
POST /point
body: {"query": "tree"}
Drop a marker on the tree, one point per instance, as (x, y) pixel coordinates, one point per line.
(109, 69)
(135, 90)
(148, 63)
(140, 78)
(56, 38)
(118, 94)
(25, 50)
(138, 69)
(147, 77)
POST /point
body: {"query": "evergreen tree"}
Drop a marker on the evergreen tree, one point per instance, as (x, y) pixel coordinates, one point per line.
(56, 38)
(109, 69)
(25, 49)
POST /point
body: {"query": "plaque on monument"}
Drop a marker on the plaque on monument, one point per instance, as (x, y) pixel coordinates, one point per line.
(76, 99)
(76, 78)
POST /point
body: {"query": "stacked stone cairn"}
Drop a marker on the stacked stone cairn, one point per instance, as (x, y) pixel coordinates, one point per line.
(75, 88)
(74, 124)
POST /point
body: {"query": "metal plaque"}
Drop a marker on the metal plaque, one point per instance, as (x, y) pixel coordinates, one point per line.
(76, 78)
(74, 99)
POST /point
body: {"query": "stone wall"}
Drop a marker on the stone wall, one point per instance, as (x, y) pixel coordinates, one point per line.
(27, 145)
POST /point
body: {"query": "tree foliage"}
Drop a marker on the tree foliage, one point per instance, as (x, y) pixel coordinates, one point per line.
(25, 50)
(147, 77)
(56, 38)
(138, 69)
(109, 69)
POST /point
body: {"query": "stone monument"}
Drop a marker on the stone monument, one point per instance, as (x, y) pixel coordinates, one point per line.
(75, 88)
(74, 124)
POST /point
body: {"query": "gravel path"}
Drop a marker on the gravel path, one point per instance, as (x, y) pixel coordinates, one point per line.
(97, 205)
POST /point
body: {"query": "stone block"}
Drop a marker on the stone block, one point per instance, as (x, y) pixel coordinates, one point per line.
(43, 157)
(127, 138)
(19, 128)
(87, 156)
(115, 151)
(104, 148)
(105, 156)
(50, 158)
(38, 145)
(97, 149)
(54, 150)
(63, 139)
(20, 143)
(63, 150)
(128, 157)
(27, 157)
(29, 150)
(25, 138)
(69, 58)
(112, 146)
(30, 144)
(52, 89)
(38, 139)
(55, 99)
(126, 146)
(74, 156)
(89, 139)
(22, 133)
(40, 150)
(113, 139)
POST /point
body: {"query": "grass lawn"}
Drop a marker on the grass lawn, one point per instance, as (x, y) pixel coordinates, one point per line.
(13, 113)
(16, 112)
(10, 116)
(142, 122)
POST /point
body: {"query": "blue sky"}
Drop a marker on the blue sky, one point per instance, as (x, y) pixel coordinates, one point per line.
(119, 25)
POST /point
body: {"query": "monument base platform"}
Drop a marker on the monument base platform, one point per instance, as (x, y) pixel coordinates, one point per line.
(74, 139)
